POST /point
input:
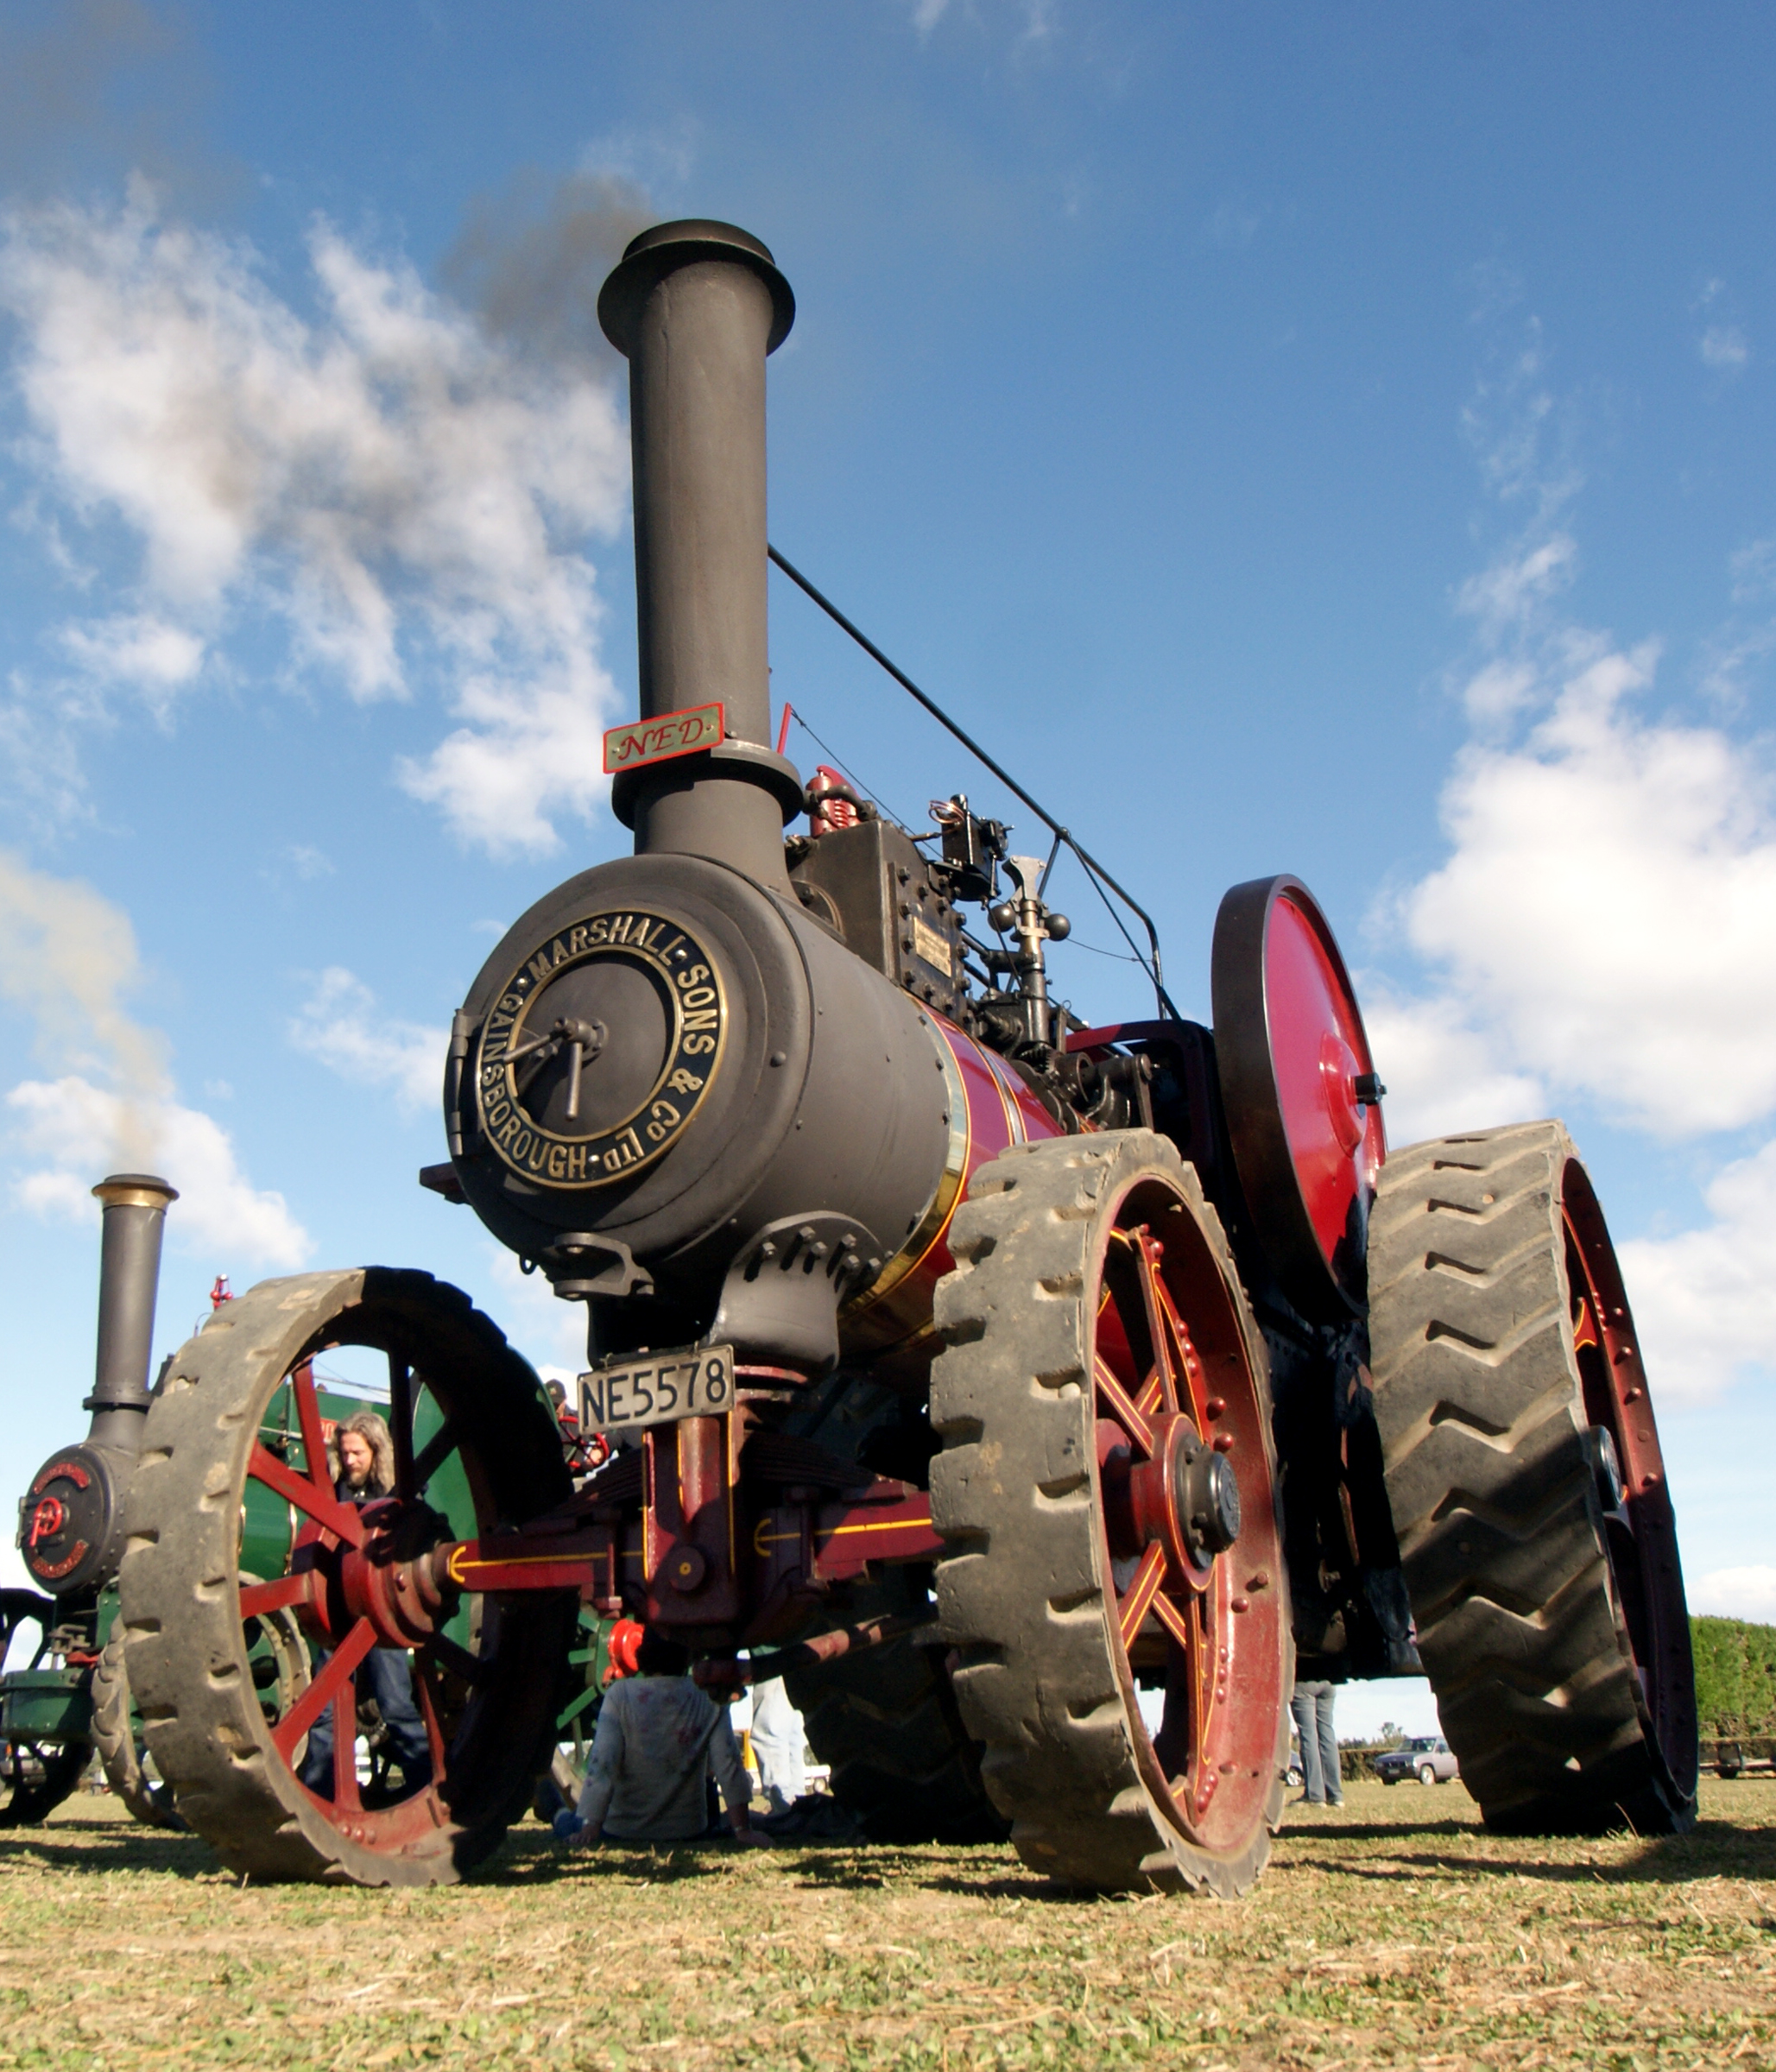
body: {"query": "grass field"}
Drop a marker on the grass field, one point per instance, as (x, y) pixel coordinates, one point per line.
(1396, 1933)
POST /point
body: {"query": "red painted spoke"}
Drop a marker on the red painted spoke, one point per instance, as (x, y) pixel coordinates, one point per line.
(314, 1443)
(1176, 1620)
(325, 1509)
(1137, 1600)
(257, 1597)
(1121, 1406)
(1195, 1395)
(1148, 1255)
(400, 1425)
(339, 1668)
(429, 1712)
(345, 1792)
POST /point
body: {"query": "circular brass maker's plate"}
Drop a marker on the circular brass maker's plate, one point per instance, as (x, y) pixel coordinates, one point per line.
(693, 1015)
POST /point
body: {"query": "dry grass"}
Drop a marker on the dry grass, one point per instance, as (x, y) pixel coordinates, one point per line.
(1394, 1934)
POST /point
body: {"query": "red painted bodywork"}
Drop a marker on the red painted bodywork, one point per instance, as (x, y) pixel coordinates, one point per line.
(991, 1108)
(1318, 1048)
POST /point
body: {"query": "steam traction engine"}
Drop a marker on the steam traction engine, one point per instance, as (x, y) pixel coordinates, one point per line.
(1040, 1391)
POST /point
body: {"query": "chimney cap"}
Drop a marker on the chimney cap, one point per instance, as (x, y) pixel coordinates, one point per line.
(663, 248)
(136, 1190)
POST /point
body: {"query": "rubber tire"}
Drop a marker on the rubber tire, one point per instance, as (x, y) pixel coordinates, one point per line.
(884, 1720)
(1482, 1415)
(183, 1650)
(1022, 1596)
(1427, 1775)
(114, 1737)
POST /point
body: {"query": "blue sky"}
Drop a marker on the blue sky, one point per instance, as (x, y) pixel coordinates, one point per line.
(1334, 440)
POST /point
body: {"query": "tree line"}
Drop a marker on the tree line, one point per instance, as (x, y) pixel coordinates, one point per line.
(1735, 1677)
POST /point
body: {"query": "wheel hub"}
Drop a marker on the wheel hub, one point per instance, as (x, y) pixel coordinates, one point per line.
(1186, 1496)
(393, 1579)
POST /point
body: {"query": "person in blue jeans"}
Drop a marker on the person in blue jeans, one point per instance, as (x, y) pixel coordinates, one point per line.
(1322, 1778)
(366, 1470)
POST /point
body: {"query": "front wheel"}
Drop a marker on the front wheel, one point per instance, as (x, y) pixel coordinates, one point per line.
(1426, 1774)
(1114, 1583)
(233, 1529)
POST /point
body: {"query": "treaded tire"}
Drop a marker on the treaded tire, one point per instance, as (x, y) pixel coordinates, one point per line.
(884, 1720)
(1029, 1594)
(185, 1650)
(114, 1737)
(1491, 1456)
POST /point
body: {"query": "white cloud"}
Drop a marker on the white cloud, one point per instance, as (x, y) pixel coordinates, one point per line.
(339, 1024)
(1505, 594)
(138, 649)
(406, 494)
(1441, 1074)
(1702, 1299)
(1752, 568)
(68, 960)
(1603, 926)
(74, 1127)
(1606, 916)
(1725, 348)
(1748, 1593)
(1039, 19)
(551, 1333)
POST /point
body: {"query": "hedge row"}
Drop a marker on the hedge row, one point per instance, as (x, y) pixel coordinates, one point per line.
(1735, 1676)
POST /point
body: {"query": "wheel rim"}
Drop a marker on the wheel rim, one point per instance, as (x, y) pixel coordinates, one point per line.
(1640, 1528)
(1178, 1409)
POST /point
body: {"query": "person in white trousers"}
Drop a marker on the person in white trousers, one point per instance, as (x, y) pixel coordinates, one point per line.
(777, 1742)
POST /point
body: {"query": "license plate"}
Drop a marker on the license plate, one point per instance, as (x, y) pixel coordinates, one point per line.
(698, 1384)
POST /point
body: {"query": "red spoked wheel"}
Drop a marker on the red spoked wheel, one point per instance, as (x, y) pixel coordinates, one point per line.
(1300, 1087)
(234, 1530)
(1108, 1490)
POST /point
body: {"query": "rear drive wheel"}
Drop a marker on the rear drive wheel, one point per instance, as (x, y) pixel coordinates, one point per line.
(234, 1454)
(1528, 1486)
(1108, 1493)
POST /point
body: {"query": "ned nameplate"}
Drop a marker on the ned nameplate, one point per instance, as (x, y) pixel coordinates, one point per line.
(599, 1049)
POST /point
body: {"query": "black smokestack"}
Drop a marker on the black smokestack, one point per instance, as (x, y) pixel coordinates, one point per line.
(129, 1279)
(696, 307)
